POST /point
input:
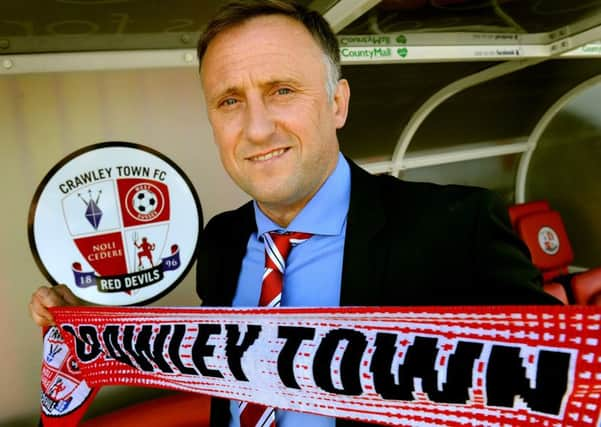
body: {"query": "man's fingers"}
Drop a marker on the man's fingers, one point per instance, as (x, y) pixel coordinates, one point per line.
(39, 313)
(44, 298)
(48, 297)
(68, 297)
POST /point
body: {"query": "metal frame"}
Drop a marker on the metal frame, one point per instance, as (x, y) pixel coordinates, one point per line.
(94, 61)
(580, 45)
(463, 153)
(161, 58)
(346, 11)
(418, 117)
(399, 162)
(522, 173)
(458, 153)
(587, 51)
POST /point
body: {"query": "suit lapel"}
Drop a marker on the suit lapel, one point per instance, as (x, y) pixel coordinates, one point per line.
(364, 250)
(233, 252)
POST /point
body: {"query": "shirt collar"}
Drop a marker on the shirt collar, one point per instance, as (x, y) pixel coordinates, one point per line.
(325, 214)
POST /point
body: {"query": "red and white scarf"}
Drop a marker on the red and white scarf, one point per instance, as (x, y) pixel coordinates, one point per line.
(452, 366)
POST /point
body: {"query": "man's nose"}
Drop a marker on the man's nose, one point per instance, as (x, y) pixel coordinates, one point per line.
(259, 124)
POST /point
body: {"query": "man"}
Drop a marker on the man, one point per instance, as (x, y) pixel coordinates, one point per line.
(270, 75)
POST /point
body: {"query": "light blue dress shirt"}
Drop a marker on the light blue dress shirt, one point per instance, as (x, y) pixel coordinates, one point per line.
(313, 269)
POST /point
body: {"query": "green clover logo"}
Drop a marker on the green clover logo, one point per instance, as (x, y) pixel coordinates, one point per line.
(402, 52)
(401, 39)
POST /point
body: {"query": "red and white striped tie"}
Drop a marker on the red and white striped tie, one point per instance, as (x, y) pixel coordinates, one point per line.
(277, 249)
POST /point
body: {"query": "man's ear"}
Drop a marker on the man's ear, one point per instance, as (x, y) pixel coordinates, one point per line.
(341, 101)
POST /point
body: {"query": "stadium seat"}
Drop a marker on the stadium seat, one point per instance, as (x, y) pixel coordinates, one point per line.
(176, 410)
(543, 231)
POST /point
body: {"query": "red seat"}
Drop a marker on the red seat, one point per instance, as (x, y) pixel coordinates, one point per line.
(586, 287)
(557, 290)
(543, 231)
(176, 410)
(523, 209)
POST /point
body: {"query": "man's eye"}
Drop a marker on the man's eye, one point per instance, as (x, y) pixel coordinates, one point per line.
(229, 102)
(284, 91)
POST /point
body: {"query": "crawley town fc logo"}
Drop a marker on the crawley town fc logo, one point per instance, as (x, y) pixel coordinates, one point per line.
(63, 387)
(548, 240)
(116, 222)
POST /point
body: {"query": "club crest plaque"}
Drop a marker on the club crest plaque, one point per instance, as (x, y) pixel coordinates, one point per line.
(117, 222)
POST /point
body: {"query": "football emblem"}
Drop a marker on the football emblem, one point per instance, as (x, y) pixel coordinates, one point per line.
(145, 202)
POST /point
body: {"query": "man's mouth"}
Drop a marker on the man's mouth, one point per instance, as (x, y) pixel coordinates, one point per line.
(269, 155)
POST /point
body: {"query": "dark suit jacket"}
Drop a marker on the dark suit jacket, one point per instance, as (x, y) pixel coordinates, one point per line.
(406, 244)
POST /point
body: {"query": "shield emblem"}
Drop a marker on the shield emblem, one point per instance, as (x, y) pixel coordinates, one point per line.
(119, 227)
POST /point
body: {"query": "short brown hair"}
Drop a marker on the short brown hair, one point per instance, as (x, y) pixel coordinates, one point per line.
(237, 12)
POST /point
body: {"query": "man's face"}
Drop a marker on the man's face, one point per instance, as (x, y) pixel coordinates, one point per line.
(274, 124)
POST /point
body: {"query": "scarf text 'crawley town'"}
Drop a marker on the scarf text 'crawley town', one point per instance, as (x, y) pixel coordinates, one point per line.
(452, 366)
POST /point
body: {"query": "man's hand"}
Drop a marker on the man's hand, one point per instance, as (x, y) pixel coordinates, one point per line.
(45, 297)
